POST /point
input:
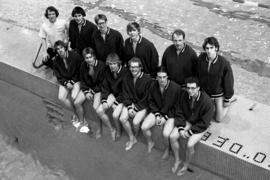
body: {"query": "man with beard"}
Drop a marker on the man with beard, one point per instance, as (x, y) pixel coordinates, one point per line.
(51, 31)
(80, 30)
(135, 93)
(179, 59)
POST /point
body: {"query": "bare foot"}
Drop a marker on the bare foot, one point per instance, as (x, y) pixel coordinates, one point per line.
(98, 134)
(150, 146)
(165, 154)
(182, 171)
(175, 166)
(113, 134)
(130, 144)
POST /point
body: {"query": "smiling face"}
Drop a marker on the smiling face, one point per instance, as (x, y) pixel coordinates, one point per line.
(61, 51)
(134, 34)
(78, 18)
(211, 51)
(135, 68)
(51, 16)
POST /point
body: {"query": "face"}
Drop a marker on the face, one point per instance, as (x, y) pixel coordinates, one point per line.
(211, 51)
(134, 68)
(178, 41)
(51, 16)
(89, 59)
(61, 51)
(114, 66)
(133, 34)
(102, 25)
(162, 78)
(192, 89)
(78, 18)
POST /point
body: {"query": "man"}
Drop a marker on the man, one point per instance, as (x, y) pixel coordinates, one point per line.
(91, 77)
(193, 113)
(66, 68)
(216, 77)
(138, 46)
(135, 93)
(80, 30)
(51, 31)
(111, 92)
(163, 94)
(179, 59)
(106, 40)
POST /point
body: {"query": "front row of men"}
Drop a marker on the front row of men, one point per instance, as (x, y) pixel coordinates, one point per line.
(135, 98)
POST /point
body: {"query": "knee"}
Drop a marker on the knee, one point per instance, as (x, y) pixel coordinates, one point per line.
(173, 137)
(100, 110)
(61, 98)
(144, 127)
(166, 134)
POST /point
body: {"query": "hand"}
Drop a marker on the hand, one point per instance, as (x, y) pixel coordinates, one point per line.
(184, 134)
(105, 105)
(131, 113)
(45, 57)
(158, 120)
(226, 104)
(69, 85)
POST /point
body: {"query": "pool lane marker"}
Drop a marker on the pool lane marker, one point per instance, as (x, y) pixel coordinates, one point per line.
(250, 3)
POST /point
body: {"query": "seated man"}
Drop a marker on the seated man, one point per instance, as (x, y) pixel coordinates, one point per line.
(163, 95)
(111, 92)
(66, 68)
(216, 77)
(193, 113)
(91, 77)
(135, 91)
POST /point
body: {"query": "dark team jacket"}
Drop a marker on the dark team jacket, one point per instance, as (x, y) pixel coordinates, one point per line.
(92, 84)
(113, 43)
(146, 51)
(180, 66)
(199, 115)
(138, 93)
(81, 39)
(218, 81)
(113, 86)
(72, 74)
(163, 104)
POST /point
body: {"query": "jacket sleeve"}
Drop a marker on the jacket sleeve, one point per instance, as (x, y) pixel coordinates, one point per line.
(204, 120)
(151, 102)
(126, 98)
(78, 63)
(100, 79)
(143, 101)
(62, 80)
(105, 90)
(195, 61)
(154, 60)
(84, 86)
(228, 82)
(179, 117)
(120, 47)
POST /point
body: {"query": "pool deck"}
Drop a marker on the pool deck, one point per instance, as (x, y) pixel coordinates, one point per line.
(243, 138)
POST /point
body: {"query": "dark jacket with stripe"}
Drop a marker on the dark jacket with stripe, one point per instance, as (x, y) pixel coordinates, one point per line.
(199, 115)
(72, 73)
(218, 80)
(81, 39)
(136, 93)
(180, 66)
(93, 83)
(146, 51)
(163, 104)
(113, 86)
(113, 42)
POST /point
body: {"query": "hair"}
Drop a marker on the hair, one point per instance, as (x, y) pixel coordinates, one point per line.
(51, 8)
(78, 10)
(179, 32)
(212, 41)
(135, 60)
(162, 69)
(193, 79)
(88, 50)
(60, 43)
(133, 26)
(100, 16)
(113, 58)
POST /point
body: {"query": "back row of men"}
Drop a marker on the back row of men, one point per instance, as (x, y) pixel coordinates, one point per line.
(94, 63)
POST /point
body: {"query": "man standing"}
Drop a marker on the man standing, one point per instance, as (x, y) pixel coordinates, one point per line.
(51, 31)
(194, 111)
(179, 59)
(106, 40)
(216, 77)
(80, 30)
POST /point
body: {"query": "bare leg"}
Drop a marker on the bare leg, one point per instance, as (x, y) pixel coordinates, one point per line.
(149, 122)
(167, 130)
(174, 136)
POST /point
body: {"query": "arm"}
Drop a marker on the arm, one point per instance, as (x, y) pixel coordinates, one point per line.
(228, 83)
(154, 60)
